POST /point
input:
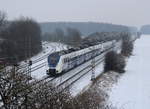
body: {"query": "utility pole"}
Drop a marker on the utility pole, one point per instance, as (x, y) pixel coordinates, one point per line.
(29, 57)
(29, 68)
(14, 77)
(93, 69)
(93, 66)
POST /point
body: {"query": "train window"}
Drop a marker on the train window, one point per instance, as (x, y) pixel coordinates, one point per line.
(53, 60)
(66, 60)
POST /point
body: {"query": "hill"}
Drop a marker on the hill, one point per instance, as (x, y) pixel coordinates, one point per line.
(86, 28)
(145, 29)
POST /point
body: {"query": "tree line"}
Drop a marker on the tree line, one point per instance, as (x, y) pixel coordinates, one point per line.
(20, 39)
(86, 28)
(70, 37)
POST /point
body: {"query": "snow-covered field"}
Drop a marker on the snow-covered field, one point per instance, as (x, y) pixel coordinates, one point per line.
(133, 88)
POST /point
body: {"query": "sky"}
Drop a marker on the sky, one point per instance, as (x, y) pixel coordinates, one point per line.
(125, 12)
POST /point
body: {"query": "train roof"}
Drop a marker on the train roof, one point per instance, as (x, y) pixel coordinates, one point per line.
(80, 47)
(93, 39)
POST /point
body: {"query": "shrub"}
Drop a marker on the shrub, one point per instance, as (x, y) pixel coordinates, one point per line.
(115, 62)
(90, 99)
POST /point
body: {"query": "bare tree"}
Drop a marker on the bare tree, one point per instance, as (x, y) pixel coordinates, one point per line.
(115, 62)
(25, 36)
(73, 36)
(59, 34)
(2, 18)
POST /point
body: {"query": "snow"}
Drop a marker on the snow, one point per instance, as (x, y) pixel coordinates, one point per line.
(133, 89)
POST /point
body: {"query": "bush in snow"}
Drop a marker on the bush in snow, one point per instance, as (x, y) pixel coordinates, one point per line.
(115, 62)
(90, 99)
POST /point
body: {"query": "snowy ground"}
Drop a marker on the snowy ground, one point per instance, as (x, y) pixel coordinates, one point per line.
(133, 88)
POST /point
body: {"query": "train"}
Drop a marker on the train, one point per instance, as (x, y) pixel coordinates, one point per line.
(63, 61)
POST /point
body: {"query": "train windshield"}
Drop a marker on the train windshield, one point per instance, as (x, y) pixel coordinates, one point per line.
(53, 59)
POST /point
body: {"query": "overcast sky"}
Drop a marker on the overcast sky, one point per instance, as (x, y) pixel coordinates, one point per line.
(128, 12)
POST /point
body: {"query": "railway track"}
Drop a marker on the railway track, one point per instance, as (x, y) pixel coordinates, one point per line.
(98, 61)
(46, 79)
(82, 69)
(24, 68)
(79, 75)
(72, 79)
(39, 59)
(35, 67)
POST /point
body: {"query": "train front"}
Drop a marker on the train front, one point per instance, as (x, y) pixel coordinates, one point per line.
(53, 60)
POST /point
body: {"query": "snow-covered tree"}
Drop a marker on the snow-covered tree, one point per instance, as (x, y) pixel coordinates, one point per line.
(13, 89)
(47, 96)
